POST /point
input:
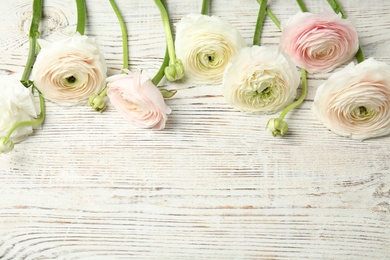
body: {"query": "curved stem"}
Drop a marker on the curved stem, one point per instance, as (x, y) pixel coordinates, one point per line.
(205, 7)
(81, 16)
(301, 98)
(168, 32)
(124, 34)
(302, 5)
(273, 18)
(34, 34)
(160, 74)
(259, 23)
(31, 123)
(337, 8)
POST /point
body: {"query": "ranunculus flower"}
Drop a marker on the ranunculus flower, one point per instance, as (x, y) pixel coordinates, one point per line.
(17, 104)
(319, 43)
(70, 70)
(205, 45)
(138, 100)
(260, 80)
(355, 101)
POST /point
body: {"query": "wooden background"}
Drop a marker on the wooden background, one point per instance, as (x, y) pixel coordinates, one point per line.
(213, 184)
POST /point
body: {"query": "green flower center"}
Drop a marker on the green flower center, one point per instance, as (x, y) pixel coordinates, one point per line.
(362, 112)
(71, 80)
(261, 87)
(265, 93)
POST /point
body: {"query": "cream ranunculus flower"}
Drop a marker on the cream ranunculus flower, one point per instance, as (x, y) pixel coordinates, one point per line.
(260, 80)
(70, 70)
(319, 43)
(138, 100)
(355, 101)
(205, 45)
(17, 104)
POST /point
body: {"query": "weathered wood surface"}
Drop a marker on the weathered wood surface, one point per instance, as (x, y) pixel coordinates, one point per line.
(213, 184)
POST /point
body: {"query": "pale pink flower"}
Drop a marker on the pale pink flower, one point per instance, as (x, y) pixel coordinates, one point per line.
(355, 101)
(70, 70)
(319, 43)
(138, 100)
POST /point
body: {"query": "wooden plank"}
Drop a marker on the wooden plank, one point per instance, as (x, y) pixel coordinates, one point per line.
(213, 184)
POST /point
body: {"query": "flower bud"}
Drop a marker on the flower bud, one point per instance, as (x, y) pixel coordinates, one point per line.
(97, 102)
(174, 71)
(277, 126)
(6, 145)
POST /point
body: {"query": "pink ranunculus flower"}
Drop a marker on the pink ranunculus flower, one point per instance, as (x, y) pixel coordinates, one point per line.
(138, 100)
(355, 101)
(319, 43)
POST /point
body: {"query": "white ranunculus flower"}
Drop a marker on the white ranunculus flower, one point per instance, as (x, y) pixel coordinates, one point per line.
(205, 45)
(355, 101)
(260, 80)
(17, 104)
(70, 70)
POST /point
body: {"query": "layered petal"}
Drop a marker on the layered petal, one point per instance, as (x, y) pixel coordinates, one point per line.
(205, 45)
(138, 100)
(70, 70)
(260, 80)
(17, 104)
(319, 43)
(355, 101)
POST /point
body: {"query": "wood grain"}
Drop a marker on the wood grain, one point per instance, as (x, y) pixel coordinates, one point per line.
(213, 184)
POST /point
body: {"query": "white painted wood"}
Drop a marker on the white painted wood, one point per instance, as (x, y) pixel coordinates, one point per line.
(213, 184)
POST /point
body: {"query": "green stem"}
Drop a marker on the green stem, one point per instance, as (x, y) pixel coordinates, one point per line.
(31, 123)
(273, 18)
(205, 7)
(124, 34)
(168, 32)
(302, 5)
(34, 34)
(104, 92)
(81, 16)
(259, 23)
(337, 8)
(301, 98)
(160, 74)
(165, 4)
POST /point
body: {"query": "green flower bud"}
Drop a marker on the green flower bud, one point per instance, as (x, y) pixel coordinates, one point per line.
(97, 102)
(277, 126)
(174, 71)
(6, 145)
